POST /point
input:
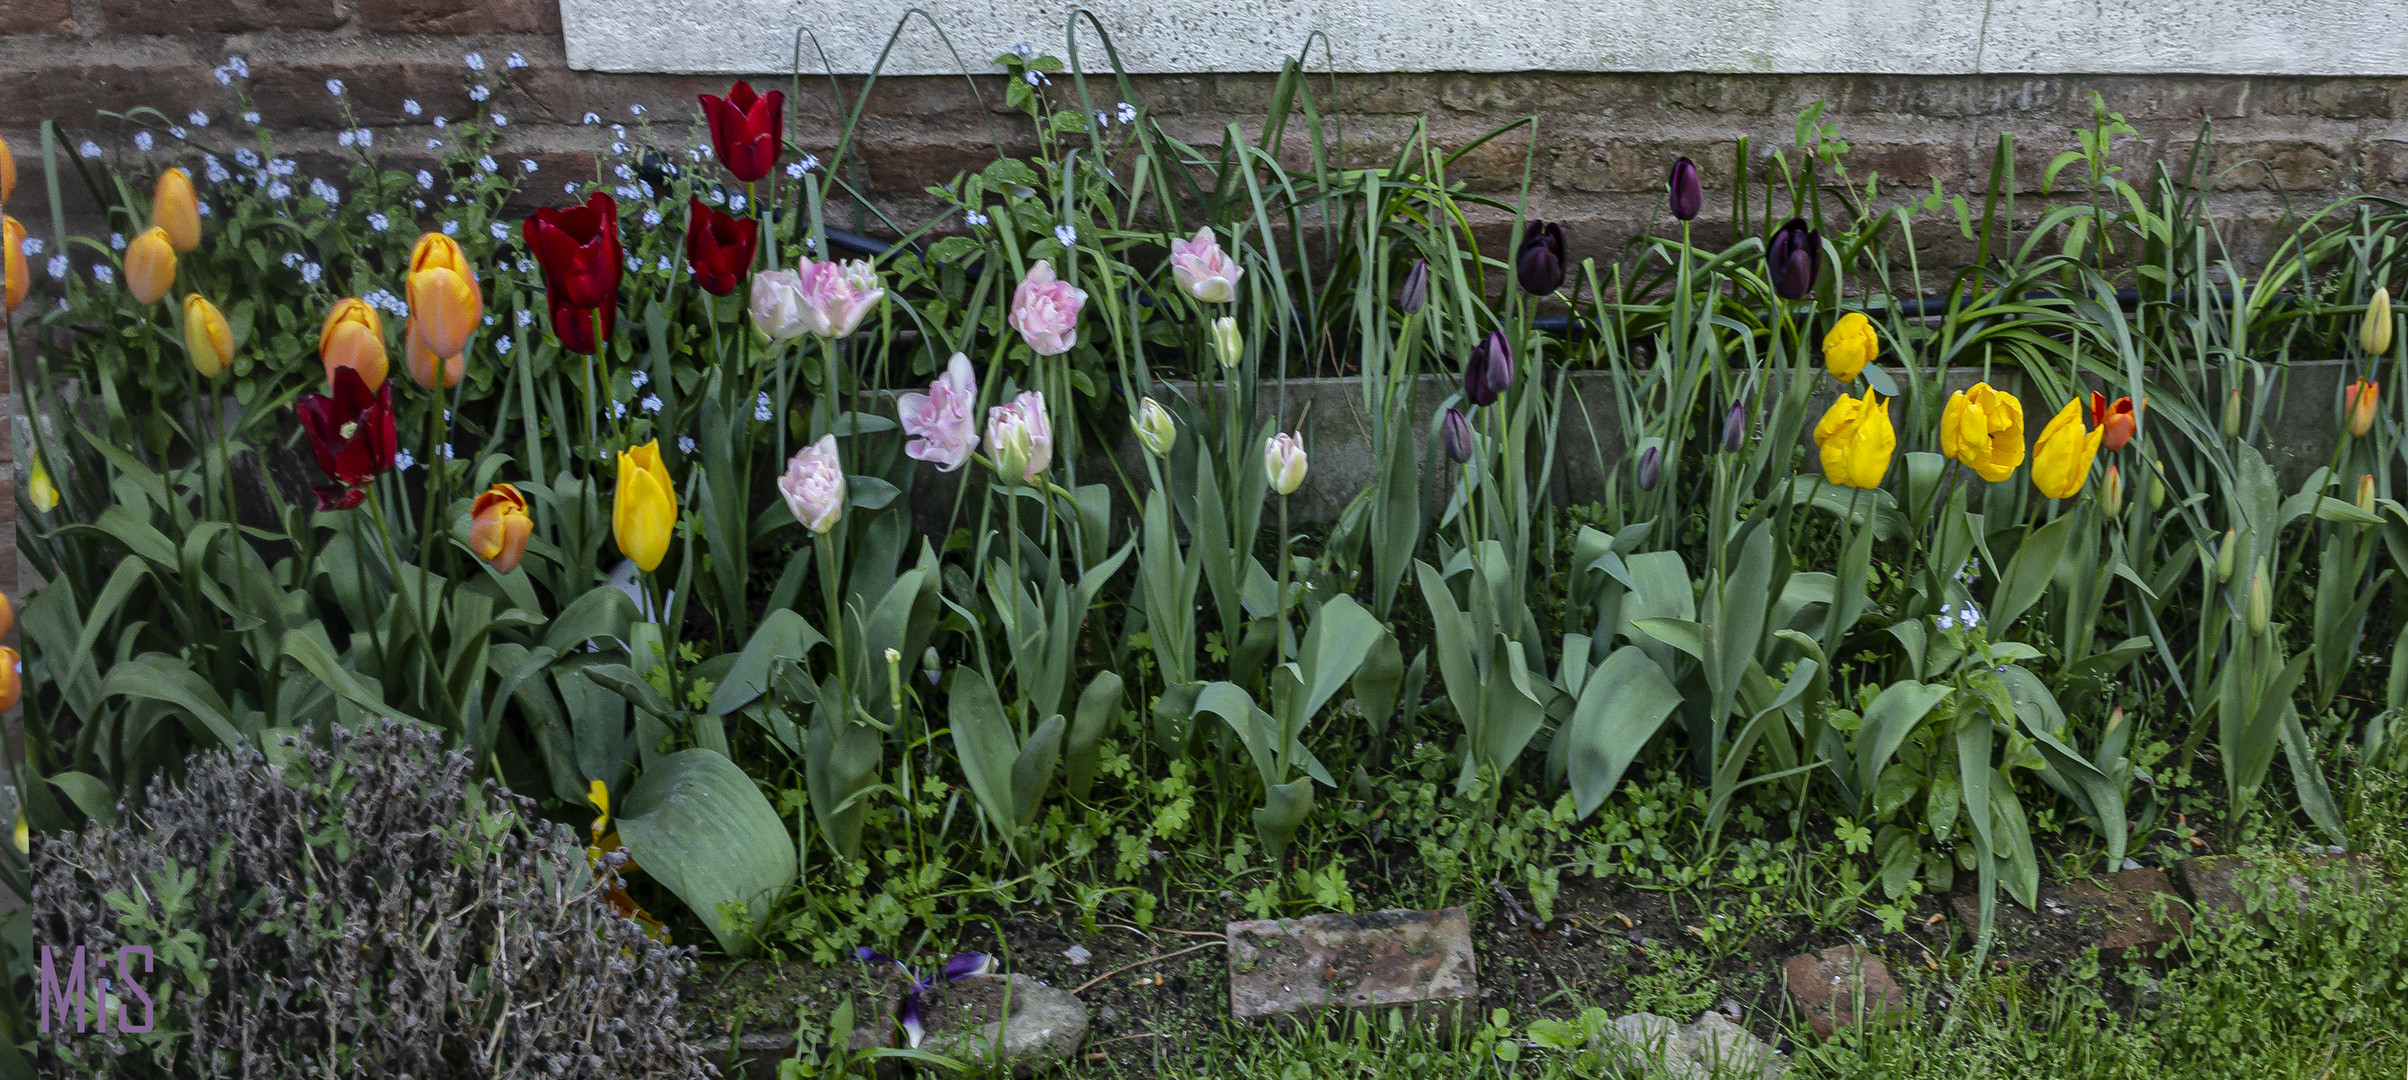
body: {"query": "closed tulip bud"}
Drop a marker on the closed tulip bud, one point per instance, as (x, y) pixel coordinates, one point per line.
(2232, 414)
(1540, 264)
(1458, 433)
(1416, 290)
(12, 679)
(24, 837)
(932, 665)
(1688, 192)
(2366, 494)
(2226, 553)
(208, 341)
(1155, 431)
(1021, 437)
(894, 679)
(1488, 372)
(1284, 463)
(8, 172)
(2374, 332)
(446, 306)
(2113, 492)
(354, 337)
(1228, 345)
(45, 494)
(2261, 601)
(1650, 469)
(2358, 403)
(425, 367)
(175, 209)
(150, 266)
(12, 262)
(643, 509)
(1850, 345)
(8, 615)
(498, 525)
(1734, 428)
(814, 486)
(1794, 259)
(2157, 488)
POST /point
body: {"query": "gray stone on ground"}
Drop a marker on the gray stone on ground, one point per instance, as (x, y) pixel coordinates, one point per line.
(1372, 960)
(1040, 1033)
(2229, 886)
(1645, 1046)
(1839, 985)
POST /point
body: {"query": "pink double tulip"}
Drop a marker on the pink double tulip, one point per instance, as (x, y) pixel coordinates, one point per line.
(1020, 437)
(943, 423)
(813, 486)
(826, 299)
(1203, 269)
(1045, 309)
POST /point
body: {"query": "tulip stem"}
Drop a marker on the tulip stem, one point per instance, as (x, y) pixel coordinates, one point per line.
(1283, 576)
(414, 610)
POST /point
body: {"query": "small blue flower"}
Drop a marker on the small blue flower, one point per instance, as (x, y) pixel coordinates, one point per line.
(761, 407)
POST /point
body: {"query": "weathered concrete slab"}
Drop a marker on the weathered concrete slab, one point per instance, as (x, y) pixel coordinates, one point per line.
(1279, 966)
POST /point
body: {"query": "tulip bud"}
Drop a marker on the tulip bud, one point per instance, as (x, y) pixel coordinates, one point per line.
(8, 615)
(2261, 601)
(2358, 403)
(2374, 332)
(1284, 463)
(12, 262)
(8, 172)
(2366, 494)
(2226, 553)
(24, 837)
(12, 678)
(45, 494)
(814, 486)
(2232, 414)
(446, 306)
(208, 341)
(2114, 493)
(1021, 438)
(894, 679)
(1688, 192)
(1488, 372)
(1793, 259)
(2115, 719)
(643, 508)
(1155, 431)
(932, 665)
(2157, 488)
(1651, 467)
(1416, 290)
(150, 266)
(1227, 344)
(1539, 265)
(1734, 424)
(1458, 437)
(175, 209)
(354, 337)
(498, 527)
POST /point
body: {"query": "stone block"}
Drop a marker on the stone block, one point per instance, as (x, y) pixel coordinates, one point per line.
(969, 1021)
(2115, 913)
(461, 16)
(1841, 986)
(175, 18)
(1384, 958)
(2232, 886)
(18, 17)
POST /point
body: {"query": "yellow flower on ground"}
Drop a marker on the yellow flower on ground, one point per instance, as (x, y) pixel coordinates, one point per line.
(2061, 457)
(1857, 440)
(1850, 346)
(644, 510)
(1983, 427)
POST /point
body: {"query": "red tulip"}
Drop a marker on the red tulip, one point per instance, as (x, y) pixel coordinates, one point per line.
(2118, 420)
(352, 435)
(747, 130)
(574, 326)
(720, 245)
(578, 249)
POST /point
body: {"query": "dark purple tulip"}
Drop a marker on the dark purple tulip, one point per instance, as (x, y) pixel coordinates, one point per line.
(1794, 259)
(1489, 371)
(1416, 290)
(908, 1015)
(1651, 468)
(1458, 437)
(1540, 263)
(961, 966)
(1734, 428)
(1688, 192)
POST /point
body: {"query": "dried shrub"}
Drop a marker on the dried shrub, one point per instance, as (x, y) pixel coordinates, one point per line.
(359, 910)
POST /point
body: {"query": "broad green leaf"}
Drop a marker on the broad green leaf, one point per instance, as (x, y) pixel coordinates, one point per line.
(698, 825)
(1623, 703)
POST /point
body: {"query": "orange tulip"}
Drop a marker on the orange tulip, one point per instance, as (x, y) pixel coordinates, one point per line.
(498, 526)
(150, 266)
(12, 678)
(2118, 420)
(2358, 402)
(8, 615)
(20, 280)
(422, 361)
(354, 338)
(175, 209)
(445, 306)
(8, 171)
(208, 341)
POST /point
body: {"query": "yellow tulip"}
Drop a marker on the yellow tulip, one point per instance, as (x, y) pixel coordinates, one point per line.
(150, 266)
(445, 306)
(498, 527)
(1983, 427)
(2374, 332)
(175, 209)
(644, 510)
(2062, 455)
(1857, 440)
(354, 337)
(20, 280)
(37, 484)
(207, 338)
(422, 362)
(8, 172)
(1850, 346)
(12, 678)
(8, 615)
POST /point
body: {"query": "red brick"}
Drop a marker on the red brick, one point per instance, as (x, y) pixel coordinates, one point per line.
(71, 95)
(176, 18)
(1831, 986)
(35, 17)
(461, 16)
